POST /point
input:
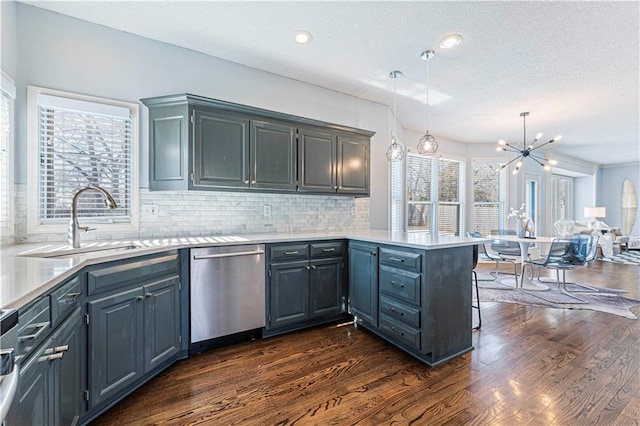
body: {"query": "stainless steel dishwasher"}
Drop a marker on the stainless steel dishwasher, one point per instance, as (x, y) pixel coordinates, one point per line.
(227, 293)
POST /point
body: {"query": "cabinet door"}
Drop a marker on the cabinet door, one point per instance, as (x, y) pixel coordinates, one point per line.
(317, 161)
(363, 282)
(161, 321)
(289, 293)
(326, 286)
(67, 375)
(32, 404)
(221, 150)
(115, 343)
(353, 165)
(168, 147)
(273, 156)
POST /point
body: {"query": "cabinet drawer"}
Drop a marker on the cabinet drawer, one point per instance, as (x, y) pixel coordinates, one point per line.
(330, 249)
(64, 299)
(125, 274)
(34, 327)
(401, 332)
(401, 259)
(289, 251)
(400, 284)
(400, 312)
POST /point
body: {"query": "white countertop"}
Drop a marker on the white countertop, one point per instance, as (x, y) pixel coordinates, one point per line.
(22, 279)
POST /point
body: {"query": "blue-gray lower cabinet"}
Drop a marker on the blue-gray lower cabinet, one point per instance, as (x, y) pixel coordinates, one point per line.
(130, 333)
(363, 282)
(115, 343)
(305, 285)
(50, 391)
(418, 300)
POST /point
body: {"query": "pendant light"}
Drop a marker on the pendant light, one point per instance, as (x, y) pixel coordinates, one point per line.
(395, 151)
(427, 144)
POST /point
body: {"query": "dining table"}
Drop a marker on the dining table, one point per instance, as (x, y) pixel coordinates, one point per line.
(525, 243)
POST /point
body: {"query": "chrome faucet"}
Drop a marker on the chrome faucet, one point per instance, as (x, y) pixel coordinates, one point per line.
(74, 226)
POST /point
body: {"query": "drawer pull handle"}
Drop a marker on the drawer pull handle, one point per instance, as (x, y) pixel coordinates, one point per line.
(328, 250)
(41, 326)
(51, 357)
(396, 312)
(71, 297)
(395, 284)
(395, 259)
(57, 349)
(396, 331)
(289, 253)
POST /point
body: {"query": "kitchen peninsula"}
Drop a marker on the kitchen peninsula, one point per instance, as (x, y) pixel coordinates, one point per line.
(413, 290)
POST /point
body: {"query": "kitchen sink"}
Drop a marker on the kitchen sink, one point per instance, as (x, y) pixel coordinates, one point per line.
(63, 251)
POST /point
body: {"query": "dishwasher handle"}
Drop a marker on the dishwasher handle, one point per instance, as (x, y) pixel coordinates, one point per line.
(220, 255)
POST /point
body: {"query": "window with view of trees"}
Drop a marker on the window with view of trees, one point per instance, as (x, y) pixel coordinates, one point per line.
(433, 183)
(83, 141)
(7, 95)
(487, 198)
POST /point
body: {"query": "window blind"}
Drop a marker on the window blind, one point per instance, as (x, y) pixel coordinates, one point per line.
(82, 143)
(487, 204)
(5, 166)
(397, 196)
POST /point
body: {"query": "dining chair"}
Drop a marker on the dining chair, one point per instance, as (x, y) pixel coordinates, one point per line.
(489, 254)
(564, 253)
(475, 277)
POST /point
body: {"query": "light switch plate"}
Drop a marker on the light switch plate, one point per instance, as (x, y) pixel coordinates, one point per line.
(150, 210)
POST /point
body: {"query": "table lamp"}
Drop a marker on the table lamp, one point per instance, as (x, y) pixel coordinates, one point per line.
(594, 213)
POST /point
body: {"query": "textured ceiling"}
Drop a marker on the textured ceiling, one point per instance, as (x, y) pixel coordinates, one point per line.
(573, 65)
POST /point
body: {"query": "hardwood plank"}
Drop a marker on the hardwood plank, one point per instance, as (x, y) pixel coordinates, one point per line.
(530, 365)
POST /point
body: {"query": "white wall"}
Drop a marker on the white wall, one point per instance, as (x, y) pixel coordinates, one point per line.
(610, 193)
(584, 195)
(9, 56)
(59, 52)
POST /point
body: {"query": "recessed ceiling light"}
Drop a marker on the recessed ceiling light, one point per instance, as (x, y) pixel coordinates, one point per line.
(302, 37)
(450, 40)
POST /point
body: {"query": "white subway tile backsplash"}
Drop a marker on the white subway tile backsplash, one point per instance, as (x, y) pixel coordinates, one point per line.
(192, 213)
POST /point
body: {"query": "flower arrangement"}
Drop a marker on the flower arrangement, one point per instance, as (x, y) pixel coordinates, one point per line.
(520, 214)
(524, 224)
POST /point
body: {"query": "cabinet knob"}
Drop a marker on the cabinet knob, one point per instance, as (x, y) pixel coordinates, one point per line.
(313, 267)
(149, 295)
(246, 181)
(253, 181)
(308, 268)
(140, 297)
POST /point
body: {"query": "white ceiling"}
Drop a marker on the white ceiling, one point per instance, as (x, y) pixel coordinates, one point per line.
(573, 65)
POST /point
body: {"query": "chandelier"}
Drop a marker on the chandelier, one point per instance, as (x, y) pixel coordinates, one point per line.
(395, 151)
(527, 151)
(427, 144)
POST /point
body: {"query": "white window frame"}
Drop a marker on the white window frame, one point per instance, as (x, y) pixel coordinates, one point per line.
(34, 225)
(8, 199)
(502, 190)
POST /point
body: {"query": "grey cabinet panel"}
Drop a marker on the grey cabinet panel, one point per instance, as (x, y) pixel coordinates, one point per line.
(49, 389)
(162, 321)
(326, 286)
(32, 405)
(68, 377)
(115, 342)
(273, 156)
(167, 150)
(317, 161)
(221, 150)
(363, 282)
(353, 165)
(289, 293)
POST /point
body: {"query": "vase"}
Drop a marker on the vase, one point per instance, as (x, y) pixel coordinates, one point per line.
(524, 227)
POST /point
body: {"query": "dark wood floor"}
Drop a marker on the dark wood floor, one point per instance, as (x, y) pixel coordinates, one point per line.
(531, 365)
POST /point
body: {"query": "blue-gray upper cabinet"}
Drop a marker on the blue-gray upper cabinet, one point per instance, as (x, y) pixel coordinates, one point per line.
(221, 150)
(202, 143)
(273, 156)
(333, 162)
